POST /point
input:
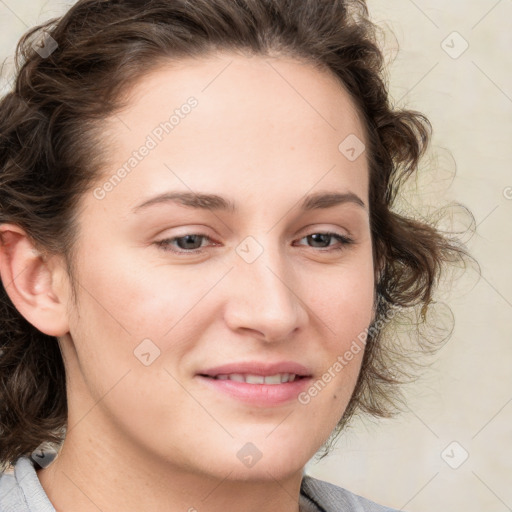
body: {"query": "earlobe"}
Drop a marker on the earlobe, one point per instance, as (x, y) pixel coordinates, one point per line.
(32, 283)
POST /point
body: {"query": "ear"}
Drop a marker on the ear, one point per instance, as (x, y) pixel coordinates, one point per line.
(35, 284)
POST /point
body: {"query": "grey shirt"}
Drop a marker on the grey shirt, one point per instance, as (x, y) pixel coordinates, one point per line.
(21, 491)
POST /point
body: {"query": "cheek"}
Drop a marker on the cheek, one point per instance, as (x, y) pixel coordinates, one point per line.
(137, 301)
(121, 354)
(343, 301)
(343, 306)
(122, 305)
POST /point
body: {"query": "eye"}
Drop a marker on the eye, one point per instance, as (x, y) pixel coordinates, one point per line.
(191, 243)
(323, 238)
(186, 244)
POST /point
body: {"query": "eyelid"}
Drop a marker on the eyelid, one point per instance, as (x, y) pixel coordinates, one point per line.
(165, 242)
(324, 228)
(343, 239)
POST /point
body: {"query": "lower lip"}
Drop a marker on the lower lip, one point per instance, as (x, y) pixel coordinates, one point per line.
(258, 394)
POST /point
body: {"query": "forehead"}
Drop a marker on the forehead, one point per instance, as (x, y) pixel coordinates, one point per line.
(256, 120)
(236, 84)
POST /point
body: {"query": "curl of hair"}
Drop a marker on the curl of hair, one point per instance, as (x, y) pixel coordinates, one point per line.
(51, 155)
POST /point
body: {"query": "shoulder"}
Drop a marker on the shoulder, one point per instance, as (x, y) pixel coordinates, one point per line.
(331, 498)
(21, 491)
(10, 494)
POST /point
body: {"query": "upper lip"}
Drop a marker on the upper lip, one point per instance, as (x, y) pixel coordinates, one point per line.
(258, 368)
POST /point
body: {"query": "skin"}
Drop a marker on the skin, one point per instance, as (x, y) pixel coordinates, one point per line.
(264, 134)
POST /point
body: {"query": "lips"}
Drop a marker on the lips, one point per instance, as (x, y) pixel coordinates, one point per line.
(249, 370)
(278, 378)
(256, 383)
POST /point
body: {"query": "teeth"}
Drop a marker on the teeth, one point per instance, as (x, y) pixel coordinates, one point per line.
(278, 378)
(255, 379)
(273, 379)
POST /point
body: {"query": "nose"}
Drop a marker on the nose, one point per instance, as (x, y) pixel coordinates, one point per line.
(266, 298)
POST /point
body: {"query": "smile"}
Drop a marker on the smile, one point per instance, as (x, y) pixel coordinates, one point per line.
(278, 378)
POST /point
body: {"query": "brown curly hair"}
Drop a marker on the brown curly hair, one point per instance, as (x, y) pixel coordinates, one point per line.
(51, 154)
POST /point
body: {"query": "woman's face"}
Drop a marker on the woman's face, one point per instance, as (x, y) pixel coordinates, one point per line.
(256, 284)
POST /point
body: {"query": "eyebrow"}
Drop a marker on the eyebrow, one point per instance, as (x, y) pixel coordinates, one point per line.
(318, 200)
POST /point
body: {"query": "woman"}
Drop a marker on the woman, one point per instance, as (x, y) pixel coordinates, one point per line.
(199, 255)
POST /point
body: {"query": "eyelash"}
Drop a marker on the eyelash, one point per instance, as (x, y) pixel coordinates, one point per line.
(166, 243)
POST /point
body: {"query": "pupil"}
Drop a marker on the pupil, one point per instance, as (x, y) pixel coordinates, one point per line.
(188, 239)
(318, 237)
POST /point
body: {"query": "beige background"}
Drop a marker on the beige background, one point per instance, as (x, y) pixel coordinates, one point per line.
(466, 396)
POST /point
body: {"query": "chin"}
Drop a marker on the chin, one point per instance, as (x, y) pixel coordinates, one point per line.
(263, 472)
(266, 463)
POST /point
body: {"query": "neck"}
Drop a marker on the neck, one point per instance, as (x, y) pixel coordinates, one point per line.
(100, 477)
